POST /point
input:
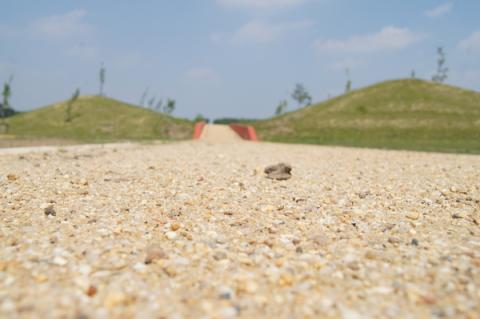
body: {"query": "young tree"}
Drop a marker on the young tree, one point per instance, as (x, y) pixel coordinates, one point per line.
(170, 107)
(200, 118)
(144, 97)
(68, 110)
(348, 86)
(7, 92)
(301, 95)
(281, 107)
(5, 105)
(151, 102)
(442, 70)
(159, 104)
(102, 78)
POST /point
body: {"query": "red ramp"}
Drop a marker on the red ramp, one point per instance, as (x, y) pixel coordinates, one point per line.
(247, 132)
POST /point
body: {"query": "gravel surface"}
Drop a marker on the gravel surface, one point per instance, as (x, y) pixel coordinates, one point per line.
(196, 230)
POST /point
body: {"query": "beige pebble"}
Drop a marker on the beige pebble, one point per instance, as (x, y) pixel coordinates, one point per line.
(413, 215)
(115, 299)
(12, 177)
(154, 253)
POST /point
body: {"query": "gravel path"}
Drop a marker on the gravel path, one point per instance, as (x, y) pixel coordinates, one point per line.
(215, 133)
(195, 230)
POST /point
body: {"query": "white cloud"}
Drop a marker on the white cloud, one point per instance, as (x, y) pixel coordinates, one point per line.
(260, 4)
(202, 74)
(471, 43)
(260, 31)
(70, 24)
(388, 39)
(440, 10)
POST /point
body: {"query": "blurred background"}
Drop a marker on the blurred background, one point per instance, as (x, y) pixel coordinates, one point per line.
(229, 58)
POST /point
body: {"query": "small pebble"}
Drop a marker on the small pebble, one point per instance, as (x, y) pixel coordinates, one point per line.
(228, 313)
(219, 255)
(413, 215)
(225, 293)
(363, 194)
(12, 177)
(393, 240)
(50, 211)
(59, 261)
(154, 252)
(91, 291)
(279, 171)
(370, 254)
(81, 315)
(114, 299)
(285, 280)
(171, 235)
(170, 271)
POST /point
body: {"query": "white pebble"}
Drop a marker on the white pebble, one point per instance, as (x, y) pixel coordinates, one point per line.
(171, 235)
(59, 261)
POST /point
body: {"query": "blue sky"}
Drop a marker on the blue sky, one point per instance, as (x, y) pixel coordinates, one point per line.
(229, 57)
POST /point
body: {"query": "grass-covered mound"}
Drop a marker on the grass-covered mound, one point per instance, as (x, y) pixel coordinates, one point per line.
(400, 114)
(96, 119)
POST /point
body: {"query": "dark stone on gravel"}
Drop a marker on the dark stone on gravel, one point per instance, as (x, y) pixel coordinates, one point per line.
(50, 211)
(279, 172)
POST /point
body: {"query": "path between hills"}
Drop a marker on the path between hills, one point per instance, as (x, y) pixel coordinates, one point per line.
(195, 230)
(216, 133)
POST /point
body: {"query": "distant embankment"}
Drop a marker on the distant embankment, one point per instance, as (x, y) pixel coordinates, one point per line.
(98, 119)
(400, 114)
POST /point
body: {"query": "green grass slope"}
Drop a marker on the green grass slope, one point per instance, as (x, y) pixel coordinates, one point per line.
(399, 114)
(98, 119)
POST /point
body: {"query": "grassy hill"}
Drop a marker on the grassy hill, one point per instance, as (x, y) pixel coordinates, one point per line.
(98, 119)
(400, 114)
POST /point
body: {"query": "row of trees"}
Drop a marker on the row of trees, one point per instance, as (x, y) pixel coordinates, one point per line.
(303, 98)
(299, 95)
(441, 73)
(153, 104)
(157, 104)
